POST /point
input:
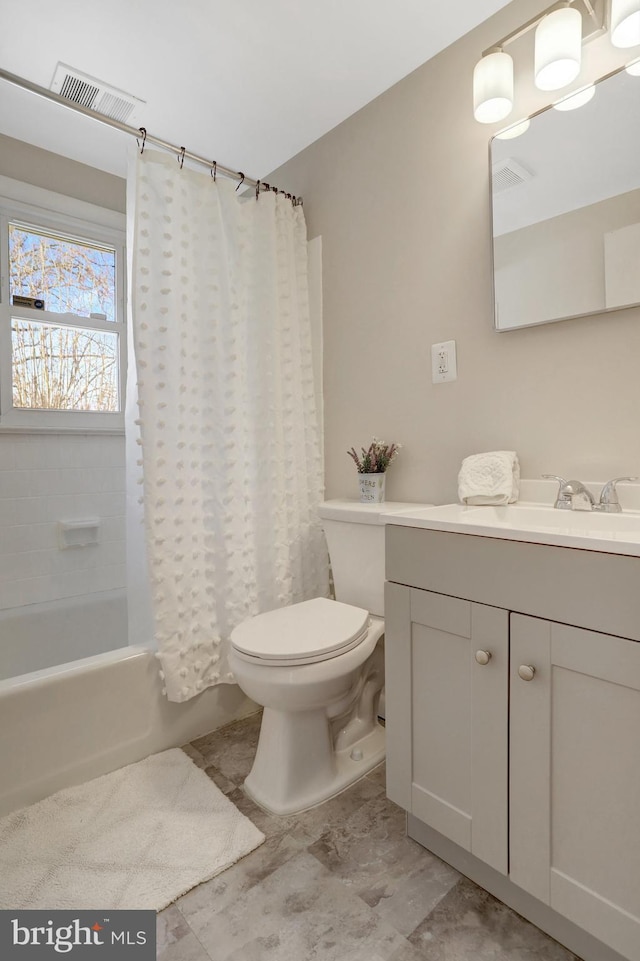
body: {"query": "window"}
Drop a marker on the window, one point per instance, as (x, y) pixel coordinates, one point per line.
(62, 337)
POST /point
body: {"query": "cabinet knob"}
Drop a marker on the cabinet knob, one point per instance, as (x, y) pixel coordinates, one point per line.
(526, 672)
(483, 657)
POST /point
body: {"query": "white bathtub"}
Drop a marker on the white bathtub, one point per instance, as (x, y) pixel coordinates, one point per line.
(65, 724)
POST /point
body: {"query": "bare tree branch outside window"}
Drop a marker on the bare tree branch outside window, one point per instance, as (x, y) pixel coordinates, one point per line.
(55, 366)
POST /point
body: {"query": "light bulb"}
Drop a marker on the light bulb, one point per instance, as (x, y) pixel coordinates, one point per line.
(493, 88)
(558, 49)
(625, 23)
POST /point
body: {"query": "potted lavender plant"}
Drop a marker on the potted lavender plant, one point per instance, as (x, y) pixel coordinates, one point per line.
(372, 465)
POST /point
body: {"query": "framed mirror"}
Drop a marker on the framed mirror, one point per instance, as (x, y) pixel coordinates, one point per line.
(566, 210)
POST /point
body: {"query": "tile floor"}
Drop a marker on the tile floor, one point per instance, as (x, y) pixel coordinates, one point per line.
(341, 882)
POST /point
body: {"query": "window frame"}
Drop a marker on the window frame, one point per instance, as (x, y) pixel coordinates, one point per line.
(99, 231)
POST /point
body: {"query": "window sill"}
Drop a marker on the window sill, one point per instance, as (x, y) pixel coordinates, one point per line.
(30, 429)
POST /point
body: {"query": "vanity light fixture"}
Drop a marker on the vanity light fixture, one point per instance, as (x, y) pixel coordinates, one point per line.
(633, 68)
(493, 87)
(558, 49)
(557, 54)
(574, 100)
(625, 23)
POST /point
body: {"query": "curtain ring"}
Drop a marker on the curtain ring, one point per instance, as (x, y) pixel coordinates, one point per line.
(240, 174)
(257, 189)
(143, 131)
(214, 169)
(181, 157)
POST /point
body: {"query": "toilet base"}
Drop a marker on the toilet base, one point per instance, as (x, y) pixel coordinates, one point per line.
(328, 773)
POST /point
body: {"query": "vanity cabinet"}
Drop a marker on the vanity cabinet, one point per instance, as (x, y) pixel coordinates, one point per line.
(457, 722)
(515, 736)
(575, 776)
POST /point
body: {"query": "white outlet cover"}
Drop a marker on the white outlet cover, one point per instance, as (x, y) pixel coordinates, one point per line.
(444, 365)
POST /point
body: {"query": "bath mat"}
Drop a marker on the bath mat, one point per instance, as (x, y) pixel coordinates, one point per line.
(136, 838)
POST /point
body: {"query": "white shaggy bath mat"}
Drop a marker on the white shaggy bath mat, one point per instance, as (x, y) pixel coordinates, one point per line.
(136, 838)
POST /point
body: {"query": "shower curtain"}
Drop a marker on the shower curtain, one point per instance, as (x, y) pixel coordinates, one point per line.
(225, 456)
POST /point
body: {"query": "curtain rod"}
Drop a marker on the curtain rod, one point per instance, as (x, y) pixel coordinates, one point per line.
(141, 134)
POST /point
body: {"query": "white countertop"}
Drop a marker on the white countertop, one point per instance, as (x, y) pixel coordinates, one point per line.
(534, 522)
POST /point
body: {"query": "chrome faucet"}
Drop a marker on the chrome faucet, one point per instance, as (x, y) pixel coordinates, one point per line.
(574, 496)
(609, 502)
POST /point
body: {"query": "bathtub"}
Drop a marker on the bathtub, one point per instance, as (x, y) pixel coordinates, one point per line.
(68, 722)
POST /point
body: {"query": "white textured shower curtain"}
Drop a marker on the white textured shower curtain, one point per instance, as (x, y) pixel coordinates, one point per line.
(228, 445)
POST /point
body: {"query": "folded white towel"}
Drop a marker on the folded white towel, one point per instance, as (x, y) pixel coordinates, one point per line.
(490, 478)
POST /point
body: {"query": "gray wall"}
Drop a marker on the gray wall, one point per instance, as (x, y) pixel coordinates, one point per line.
(400, 194)
(22, 161)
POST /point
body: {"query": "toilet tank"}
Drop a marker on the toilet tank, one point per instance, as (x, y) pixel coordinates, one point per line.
(355, 538)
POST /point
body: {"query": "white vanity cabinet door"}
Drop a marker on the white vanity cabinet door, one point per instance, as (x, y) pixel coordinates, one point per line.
(575, 776)
(447, 744)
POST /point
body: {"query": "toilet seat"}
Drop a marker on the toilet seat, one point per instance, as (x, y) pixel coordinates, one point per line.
(303, 633)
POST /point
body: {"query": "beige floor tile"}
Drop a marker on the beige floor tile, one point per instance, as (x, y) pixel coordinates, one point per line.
(471, 925)
(370, 853)
(300, 911)
(220, 893)
(186, 949)
(341, 882)
(231, 749)
(175, 941)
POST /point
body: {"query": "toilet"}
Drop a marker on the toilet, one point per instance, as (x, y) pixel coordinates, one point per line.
(317, 668)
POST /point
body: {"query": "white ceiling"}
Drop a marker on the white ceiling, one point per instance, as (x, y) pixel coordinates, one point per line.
(249, 83)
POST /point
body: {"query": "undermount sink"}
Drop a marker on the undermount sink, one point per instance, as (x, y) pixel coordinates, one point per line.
(538, 523)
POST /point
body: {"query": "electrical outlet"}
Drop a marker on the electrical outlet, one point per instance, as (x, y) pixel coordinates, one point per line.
(443, 362)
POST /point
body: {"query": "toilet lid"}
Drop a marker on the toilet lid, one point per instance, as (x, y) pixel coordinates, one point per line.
(314, 629)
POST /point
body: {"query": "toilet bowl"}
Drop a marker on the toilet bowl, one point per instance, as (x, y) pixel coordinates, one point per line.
(317, 668)
(314, 738)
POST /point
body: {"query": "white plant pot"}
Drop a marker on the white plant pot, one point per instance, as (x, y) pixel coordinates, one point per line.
(371, 488)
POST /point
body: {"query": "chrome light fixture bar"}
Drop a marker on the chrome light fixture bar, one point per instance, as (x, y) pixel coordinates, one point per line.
(558, 49)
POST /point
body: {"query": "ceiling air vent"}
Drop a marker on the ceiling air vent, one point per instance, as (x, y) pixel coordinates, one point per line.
(507, 174)
(88, 92)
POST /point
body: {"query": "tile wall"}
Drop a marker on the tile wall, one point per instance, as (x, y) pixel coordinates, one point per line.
(47, 478)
